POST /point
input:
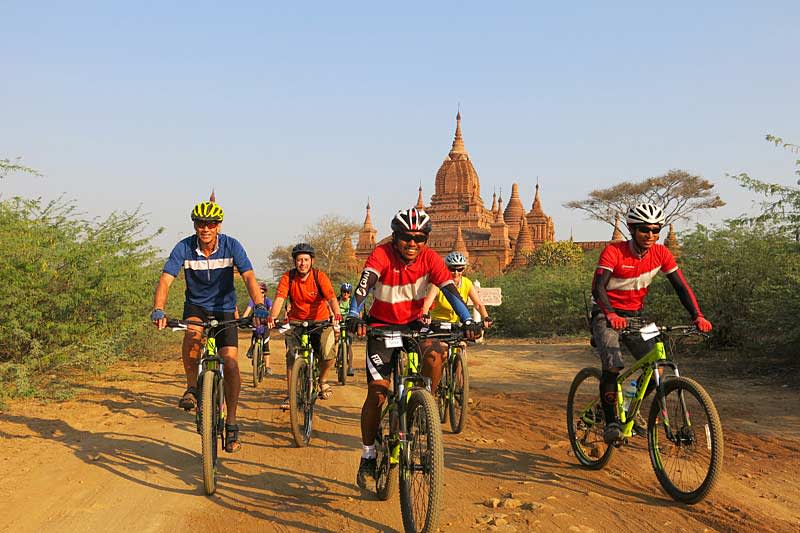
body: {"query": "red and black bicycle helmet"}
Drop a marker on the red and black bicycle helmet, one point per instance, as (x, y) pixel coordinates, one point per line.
(412, 220)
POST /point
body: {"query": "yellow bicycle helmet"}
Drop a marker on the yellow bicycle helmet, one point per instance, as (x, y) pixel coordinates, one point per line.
(207, 211)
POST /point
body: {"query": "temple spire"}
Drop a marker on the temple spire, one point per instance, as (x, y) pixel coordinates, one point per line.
(213, 197)
(458, 148)
(494, 202)
(367, 219)
(617, 235)
(536, 209)
(460, 245)
(420, 201)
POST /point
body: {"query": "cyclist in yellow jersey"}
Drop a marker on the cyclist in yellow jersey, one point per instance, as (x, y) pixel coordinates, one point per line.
(436, 306)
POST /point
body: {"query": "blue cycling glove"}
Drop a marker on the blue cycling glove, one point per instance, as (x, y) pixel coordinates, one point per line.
(157, 315)
(260, 311)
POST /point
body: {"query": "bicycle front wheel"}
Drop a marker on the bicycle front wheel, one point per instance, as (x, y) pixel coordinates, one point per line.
(422, 465)
(301, 407)
(585, 422)
(209, 423)
(258, 363)
(459, 395)
(685, 440)
(341, 362)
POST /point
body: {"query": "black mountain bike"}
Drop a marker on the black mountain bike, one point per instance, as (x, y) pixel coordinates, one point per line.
(258, 342)
(210, 416)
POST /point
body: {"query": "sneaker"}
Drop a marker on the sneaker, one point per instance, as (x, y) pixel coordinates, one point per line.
(351, 373)
(366, 471)
(612, 433)
(269, 370)
(249, 352)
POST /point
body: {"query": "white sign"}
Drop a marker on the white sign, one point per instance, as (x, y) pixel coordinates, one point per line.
(490, 295)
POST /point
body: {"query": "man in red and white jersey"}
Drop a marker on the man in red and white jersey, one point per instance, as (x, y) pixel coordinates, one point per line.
(399, 273)
(621, 280)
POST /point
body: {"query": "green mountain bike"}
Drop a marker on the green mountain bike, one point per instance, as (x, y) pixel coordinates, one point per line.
(452, 395)
(409, 446)
(344, 356)
(210, 415)
(304, 386)
(684, 432)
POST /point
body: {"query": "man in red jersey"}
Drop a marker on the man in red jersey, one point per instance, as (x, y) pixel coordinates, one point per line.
(400, 272)
(623, 274)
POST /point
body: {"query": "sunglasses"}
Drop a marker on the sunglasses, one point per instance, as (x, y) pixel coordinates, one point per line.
(206, 223)
(647, 229)
(457, 269)
(406, 237)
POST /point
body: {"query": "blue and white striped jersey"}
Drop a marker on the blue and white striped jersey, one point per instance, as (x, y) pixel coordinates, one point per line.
(209, 280)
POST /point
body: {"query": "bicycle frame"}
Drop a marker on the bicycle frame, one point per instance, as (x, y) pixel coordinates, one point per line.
(650, 365)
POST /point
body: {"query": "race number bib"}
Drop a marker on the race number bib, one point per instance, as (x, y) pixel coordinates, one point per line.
(393, 340)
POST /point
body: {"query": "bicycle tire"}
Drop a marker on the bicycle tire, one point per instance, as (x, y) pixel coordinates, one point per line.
(662, 450)
(459, 391)
(299, 403)
(443, 393)
(421, 465)
(341, 362)
(586, 429)
(349, 354)
(257, 362)
(209, 415)
(386, 477)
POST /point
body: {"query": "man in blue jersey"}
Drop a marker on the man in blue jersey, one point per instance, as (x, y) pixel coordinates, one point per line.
(208, 258)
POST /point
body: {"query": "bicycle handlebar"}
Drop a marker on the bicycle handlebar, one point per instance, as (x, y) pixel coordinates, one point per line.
(175, 323)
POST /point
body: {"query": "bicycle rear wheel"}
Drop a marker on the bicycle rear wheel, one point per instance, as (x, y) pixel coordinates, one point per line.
(422, 465)
(459, 391)
(209, 423)
(585, 422)
(386, 477)
(341, 362)
(687, 462)
(301, 408)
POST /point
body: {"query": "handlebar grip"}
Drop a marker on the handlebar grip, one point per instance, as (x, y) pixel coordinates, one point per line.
(174, 323)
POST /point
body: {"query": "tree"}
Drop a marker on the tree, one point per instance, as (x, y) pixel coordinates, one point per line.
(561, 253)
(782, 205)
(679, 193)
(327, 236)
(7, 167)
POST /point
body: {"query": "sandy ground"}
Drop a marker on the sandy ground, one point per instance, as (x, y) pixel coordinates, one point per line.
(122, 457)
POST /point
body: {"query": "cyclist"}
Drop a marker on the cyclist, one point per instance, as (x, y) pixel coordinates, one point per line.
(619, 288)
(311, 296)
(442, 310)
(208, 258)
(260, 331)
(399, 272)
(345, 290)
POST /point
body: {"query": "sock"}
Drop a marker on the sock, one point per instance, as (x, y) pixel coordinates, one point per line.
(368, 452)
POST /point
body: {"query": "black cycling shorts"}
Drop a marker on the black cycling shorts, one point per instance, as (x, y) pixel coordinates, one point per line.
(226, 336)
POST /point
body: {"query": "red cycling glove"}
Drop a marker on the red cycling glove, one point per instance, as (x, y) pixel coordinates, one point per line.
(702, 324)
(616, 321)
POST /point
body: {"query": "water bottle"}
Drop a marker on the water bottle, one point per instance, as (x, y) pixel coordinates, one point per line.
(628, 394)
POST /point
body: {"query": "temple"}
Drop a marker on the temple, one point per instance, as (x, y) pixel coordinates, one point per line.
(495, 240)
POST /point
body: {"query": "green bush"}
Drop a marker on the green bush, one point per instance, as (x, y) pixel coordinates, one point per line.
(544, 300)
(76, 292)
(747, 281)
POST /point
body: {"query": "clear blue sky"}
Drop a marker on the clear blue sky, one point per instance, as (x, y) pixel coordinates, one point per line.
(294, 110)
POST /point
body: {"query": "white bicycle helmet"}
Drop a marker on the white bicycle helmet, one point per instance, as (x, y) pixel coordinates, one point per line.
(645, 213)
(455, 259)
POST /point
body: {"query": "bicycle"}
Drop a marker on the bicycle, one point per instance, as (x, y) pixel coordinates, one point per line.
(409, 447)
(304, 387)
(453, 392)
(344, 356)
(684, 432)
(210, 414)
(258, 341)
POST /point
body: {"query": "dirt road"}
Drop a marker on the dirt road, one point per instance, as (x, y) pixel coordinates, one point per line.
(121, 457)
